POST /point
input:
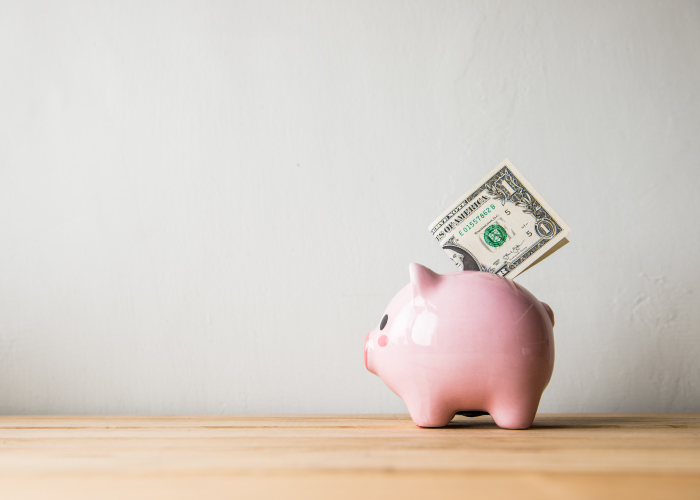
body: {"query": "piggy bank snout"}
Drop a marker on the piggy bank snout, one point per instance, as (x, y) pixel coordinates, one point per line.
(369, 359)
(366, 349)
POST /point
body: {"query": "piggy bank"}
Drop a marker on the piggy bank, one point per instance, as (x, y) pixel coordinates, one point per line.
(469, 343)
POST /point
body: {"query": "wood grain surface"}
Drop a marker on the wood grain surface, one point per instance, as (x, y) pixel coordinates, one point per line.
(351, 456)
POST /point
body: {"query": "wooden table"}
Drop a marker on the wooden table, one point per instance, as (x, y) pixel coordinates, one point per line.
(359, 457)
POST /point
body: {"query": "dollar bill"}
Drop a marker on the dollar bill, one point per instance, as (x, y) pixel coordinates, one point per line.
(501, 226)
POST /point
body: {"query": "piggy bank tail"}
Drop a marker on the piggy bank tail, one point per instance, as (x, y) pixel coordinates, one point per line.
(549, 311)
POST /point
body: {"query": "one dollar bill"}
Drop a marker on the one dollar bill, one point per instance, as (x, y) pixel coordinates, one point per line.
(501, 226)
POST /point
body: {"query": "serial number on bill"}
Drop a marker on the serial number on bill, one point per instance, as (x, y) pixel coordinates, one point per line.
(473, 222)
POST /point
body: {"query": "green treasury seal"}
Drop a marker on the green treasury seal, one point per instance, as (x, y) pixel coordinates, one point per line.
(495, 235)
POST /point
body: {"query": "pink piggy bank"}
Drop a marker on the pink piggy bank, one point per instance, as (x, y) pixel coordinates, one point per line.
(468, 342)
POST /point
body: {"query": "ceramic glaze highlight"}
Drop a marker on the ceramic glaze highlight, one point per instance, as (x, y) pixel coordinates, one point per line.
(464, 342)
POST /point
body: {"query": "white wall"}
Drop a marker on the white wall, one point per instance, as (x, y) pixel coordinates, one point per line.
(204, 206)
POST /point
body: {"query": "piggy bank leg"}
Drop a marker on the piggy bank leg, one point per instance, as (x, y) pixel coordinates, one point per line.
(515, 413)
(429, 415)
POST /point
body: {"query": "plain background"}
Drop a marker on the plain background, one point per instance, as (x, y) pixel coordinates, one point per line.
(205, 206)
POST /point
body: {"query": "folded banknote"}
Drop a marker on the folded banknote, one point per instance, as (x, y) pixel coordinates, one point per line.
(501, 226)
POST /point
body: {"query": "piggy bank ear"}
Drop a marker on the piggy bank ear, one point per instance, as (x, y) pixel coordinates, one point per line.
(422, 279)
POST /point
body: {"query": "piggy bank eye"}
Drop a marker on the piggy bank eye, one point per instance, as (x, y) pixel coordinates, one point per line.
(383, 323)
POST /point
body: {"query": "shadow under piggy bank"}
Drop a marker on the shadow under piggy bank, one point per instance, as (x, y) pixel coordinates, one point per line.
(467, 343)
